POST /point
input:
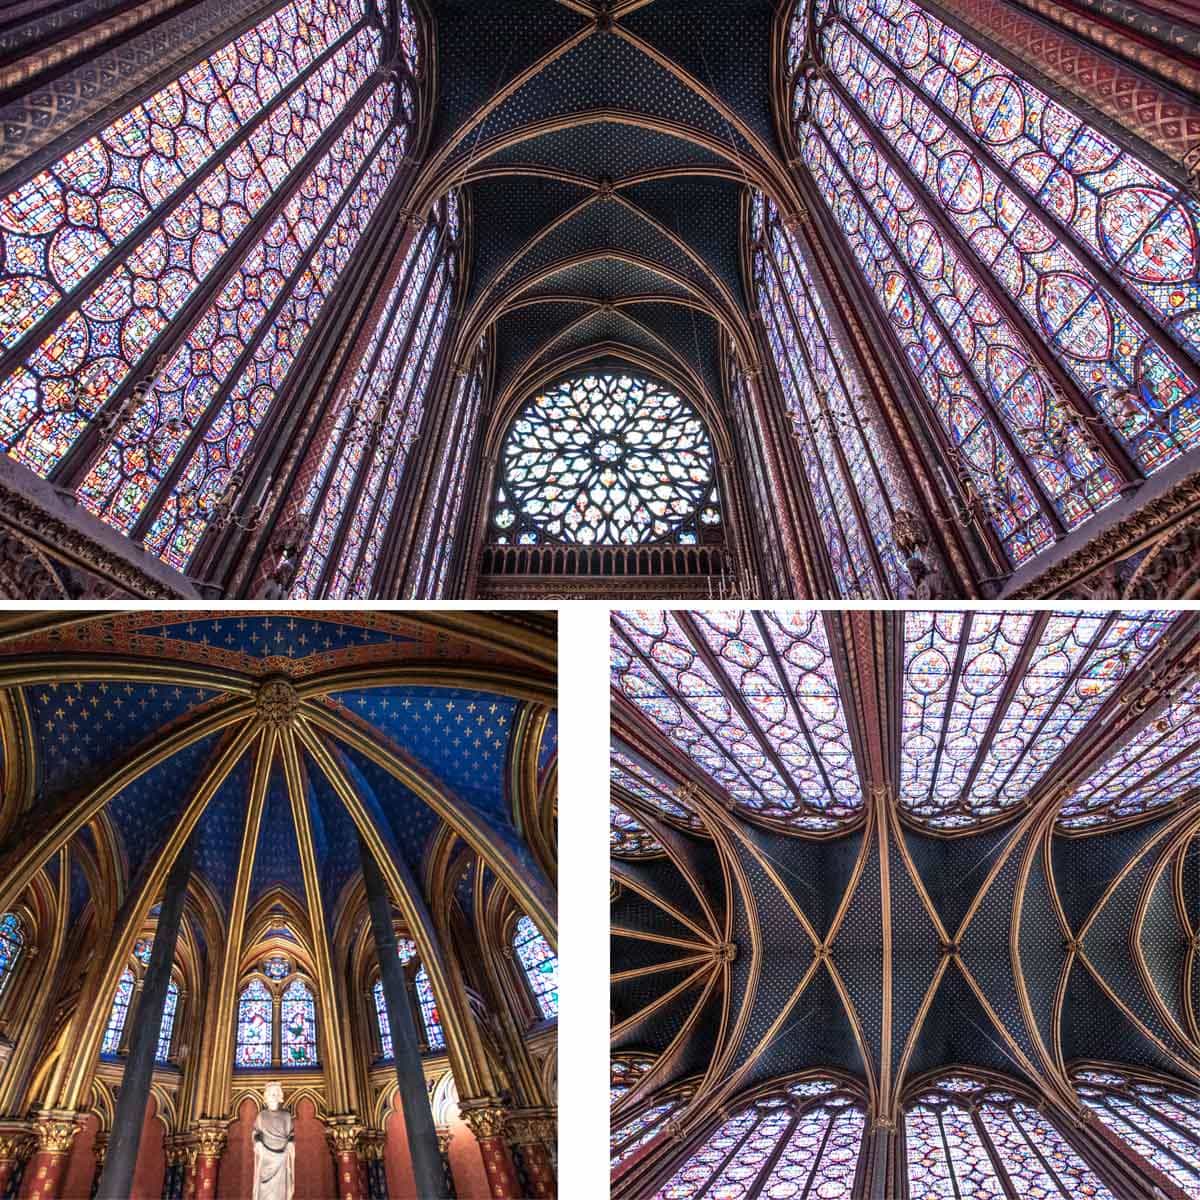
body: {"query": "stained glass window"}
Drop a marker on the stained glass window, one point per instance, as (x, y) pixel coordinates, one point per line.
(430, 1017)
(254, 1019)
(298, 1019)
(645, 1127)
(855, 486)
(801, 1143)
(362, 455)
(753, 700)
(626, 1071)
(628, 773)
(142, 949)
(381, 1018)
(276, 967)
(12, 942)
(628, 837)
(966, 1139)
(117, 1014)
(1158, 1121)
(992, 699)
(1041, 280)
(606, 460)
(166, 1028)
(540, 965)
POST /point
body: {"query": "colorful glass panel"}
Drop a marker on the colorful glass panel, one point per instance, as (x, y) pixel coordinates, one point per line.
(646, 1126)
(298, 1019)
(254, 1019)
(628, 837)
(58, 388)
(166, 1028)
(430, 1017)
(117, 1014)
(854, 484)
(540, 965)
(754, 701)
(12, 942)
(1160, 1123)
(381, 1019)
(606, 460)
(625, 1072)
(64, 225)
(277, 967)
(693, 1178)
(633, 777)
(992, 699)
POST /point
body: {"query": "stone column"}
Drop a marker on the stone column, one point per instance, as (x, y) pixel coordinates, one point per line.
(371, 1159)
(116, 1178)
(211, 1140)
(55, 1132)
(177, 1157)
(16, 1144)
(486, 1119)
(410, 1073)
(445, 1137)
(531, 1131)
(187, 1171)
(343, 1137)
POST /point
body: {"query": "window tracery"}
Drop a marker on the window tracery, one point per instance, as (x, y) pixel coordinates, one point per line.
(804, 1141)
(606, 460)
(12, 943)
(753, 699)
(642, 1129)
(626, 1071)
(964, 1136)
(628, 837)
(540, 965)
(426, 1004)
(430, 1017)
(1159, 1120)
(1041, 281)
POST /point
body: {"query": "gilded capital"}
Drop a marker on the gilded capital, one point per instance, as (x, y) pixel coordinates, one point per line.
(55, 1132)
(211, 1139)
(344, 1136)
(528, 1127)
(16, 1143)
(486, 1119)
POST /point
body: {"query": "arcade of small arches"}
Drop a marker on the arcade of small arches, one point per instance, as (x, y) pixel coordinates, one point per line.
(241, 848)
(905, 905)
(444, 298)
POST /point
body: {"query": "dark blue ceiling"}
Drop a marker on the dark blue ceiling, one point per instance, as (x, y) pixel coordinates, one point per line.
(274, 635)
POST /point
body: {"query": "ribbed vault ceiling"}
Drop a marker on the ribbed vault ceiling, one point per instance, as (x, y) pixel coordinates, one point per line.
(604, 158)
(744, 951)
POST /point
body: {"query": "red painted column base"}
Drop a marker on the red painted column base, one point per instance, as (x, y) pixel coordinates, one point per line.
(45, 1175)
(500, 1168)
(349, 1175)
(204, 1177)
(539, 1171)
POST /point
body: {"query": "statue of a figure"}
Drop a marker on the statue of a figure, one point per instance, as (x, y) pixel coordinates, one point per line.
(274, 1148)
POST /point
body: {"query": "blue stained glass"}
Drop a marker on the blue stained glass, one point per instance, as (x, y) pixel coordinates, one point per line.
(254, 1020)
(116, 1017)
(298, 1019)
(430, 1017)
(277, 967)
(381, 1019)
(12, 941)
(167, 1027)
(540, 965)
(142, 950)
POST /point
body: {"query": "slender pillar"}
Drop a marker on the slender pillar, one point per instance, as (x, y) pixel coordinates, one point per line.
(16, 1144)
(116, 1181)
(344, 1146)
(55, 1132)
(100, 1152)
(410, 1074)
(374, 1141)
(445, 1137)
(210, 1145)
(487, 1123)
(530, 1131)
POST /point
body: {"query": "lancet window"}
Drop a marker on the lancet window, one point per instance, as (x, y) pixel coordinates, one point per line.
(539, 964)
(12, 943)
(1040, 279)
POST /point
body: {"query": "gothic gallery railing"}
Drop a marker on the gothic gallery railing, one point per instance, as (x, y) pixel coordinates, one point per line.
(607, 562)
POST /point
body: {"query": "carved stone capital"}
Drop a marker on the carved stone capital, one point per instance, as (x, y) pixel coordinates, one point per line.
(16, 1143)
(344, 1135)
(531, 1126)
(444, 1137)
(486, 1118)
(277, 702)
(55, 1132)
(211, 1139)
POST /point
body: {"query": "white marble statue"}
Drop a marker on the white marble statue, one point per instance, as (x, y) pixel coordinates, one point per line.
(274, 1148)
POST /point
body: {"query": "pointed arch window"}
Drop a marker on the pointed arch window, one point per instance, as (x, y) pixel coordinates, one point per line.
(809, 1138)
(639, 467)
(298, 1026)
(117, 1014)
(1041, 281)
(540, 965)
(430, 1017)
(263, 182)
(856, 489)
(1159, 1120)
(625, 1141)
(381, 1019)
(254, 1025)
(166, 1029)
(364, 450)
(12, 943)
(964, 1135)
